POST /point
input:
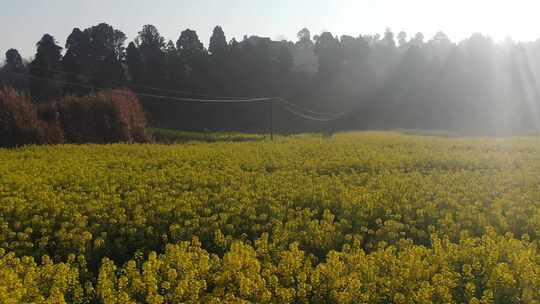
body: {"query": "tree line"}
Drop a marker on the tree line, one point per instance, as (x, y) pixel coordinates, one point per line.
(389, 81)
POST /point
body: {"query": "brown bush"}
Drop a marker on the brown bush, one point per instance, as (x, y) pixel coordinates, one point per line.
(107, 117)
(19, 123)
(51, 128)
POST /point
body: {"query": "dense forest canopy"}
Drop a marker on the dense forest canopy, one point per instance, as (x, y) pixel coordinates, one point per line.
(476, 86)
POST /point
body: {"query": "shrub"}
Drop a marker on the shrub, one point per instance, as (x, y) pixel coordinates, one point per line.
(50, 126)
(19, 123)
(107, 117)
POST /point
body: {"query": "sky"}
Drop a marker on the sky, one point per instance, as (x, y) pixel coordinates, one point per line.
(23, 22)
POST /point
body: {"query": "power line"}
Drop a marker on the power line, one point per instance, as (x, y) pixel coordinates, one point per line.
(198, 100)
(180, 92)
(337, 115)
(214, 98)
(254, 100)
(287, 105)
(308, 117)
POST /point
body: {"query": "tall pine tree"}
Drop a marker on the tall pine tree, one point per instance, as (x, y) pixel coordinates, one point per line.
(45, 69)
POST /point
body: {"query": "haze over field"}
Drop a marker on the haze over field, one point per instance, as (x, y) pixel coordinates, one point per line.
(464, 67)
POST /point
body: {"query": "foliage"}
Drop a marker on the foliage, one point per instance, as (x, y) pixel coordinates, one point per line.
(134, 61)
(147, 59)
(94, 58)
(19, 123)
(45, 69)
(108, 116)
(356, 218)
(390, 81)
(13, 73)
(218, 42)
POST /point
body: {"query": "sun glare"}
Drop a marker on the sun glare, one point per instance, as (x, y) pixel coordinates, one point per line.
(459, 19)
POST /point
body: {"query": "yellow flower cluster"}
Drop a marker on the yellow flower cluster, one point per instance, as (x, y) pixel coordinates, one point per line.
(356, 218)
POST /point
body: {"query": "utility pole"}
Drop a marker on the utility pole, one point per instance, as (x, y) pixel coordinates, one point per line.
(272, 120)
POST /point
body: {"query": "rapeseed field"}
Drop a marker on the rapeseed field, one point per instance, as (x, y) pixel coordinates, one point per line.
(355, 218)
